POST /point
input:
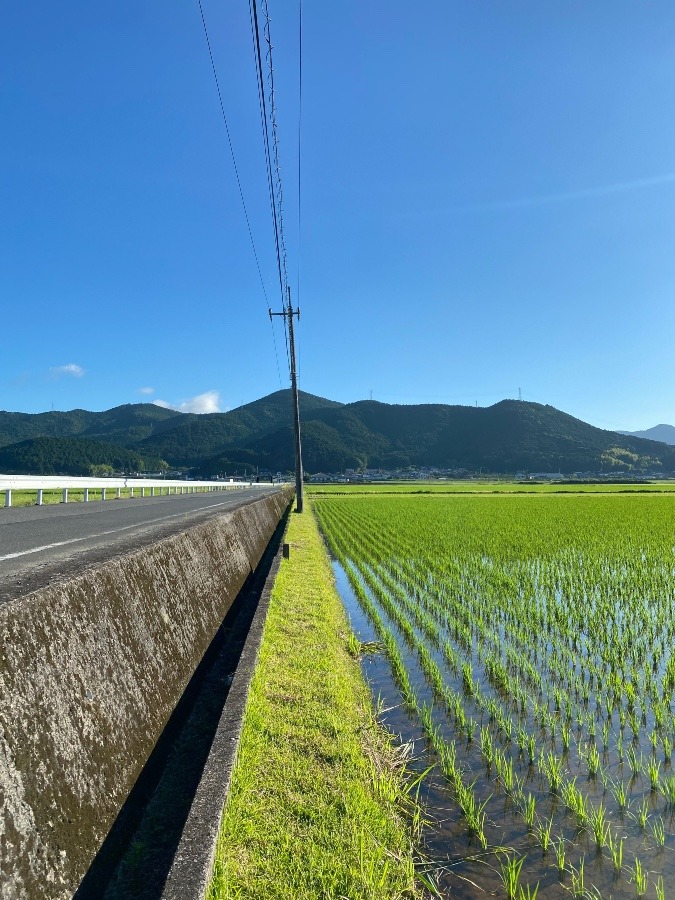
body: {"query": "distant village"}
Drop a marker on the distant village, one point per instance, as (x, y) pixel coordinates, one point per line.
(351, 476)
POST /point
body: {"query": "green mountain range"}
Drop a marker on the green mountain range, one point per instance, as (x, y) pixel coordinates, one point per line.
(70, 456)
(509, 437)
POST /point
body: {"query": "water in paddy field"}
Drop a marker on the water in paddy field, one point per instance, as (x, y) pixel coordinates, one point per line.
(459, 865)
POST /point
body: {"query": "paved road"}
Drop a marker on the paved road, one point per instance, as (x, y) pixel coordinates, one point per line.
(39, 544)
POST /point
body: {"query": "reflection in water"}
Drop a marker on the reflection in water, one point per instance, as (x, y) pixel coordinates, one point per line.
(460, 867)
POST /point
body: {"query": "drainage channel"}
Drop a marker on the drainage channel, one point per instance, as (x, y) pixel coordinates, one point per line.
(138, 854)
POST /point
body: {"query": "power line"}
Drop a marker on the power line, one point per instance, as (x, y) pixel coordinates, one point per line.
(277, 196)
(255, 30)
(236, 172)
(297, 298)
(275, 146)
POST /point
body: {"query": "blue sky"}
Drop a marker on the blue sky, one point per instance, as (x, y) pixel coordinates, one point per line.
(487, 205)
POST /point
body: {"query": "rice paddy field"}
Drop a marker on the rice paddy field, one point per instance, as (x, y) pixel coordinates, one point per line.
(527, 645)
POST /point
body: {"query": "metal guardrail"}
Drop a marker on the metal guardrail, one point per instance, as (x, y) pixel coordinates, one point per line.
(9, 483)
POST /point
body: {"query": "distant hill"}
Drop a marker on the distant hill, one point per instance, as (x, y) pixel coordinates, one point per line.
(664, 433)
(194, 438)
(509, 437)
(68, 456)
(124, 425)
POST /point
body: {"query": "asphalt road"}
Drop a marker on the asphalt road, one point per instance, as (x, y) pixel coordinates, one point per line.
(39, 544)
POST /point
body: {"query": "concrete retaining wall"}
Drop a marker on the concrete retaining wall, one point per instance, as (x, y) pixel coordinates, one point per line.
(90, 671)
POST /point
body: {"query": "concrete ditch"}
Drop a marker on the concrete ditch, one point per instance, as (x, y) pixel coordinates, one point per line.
(192, 866)
(91, 670)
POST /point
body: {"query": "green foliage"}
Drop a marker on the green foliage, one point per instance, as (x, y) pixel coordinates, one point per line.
(123, 425)
(507, 437)
(69, 456)
(101, 470)
(234, 434)
(510, 436)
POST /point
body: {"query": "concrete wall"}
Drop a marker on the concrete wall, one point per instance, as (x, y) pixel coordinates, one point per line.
(90, 671)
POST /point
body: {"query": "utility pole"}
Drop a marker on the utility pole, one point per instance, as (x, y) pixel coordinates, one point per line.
(288, 313)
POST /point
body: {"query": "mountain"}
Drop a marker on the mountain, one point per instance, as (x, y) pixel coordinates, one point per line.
(193, 438)
(68, 456)
(663, 433)
(124, 425)
(508, 437)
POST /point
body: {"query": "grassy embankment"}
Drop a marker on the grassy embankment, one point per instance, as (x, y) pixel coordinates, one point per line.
(318, 806)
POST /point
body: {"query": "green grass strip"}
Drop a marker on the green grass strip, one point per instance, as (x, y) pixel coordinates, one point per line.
(318, 806)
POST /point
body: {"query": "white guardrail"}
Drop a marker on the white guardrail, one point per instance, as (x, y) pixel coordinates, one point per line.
(137, 486)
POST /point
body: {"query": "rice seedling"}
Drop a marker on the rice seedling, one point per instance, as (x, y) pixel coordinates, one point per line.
(615, 851)
(528, 807)
(639, 878)
(467, 679)
(660, 889)
(543, 831)
(620, 794)
(658, 830)
(531, 749)
(619, 749)
(469, 729)
(560, 851)
(577, 879)
(551, 767)
(449, 764)
(652, 770)
(504, 767)
(570, 795)
(510, 873)
(599, 825)
(641, 814)
(486, 746)
(667, 788)
(474, 812)
(592, 761)
(634, 763)
(521, 740)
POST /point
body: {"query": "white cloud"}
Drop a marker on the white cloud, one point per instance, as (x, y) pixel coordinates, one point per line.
(202, 403)
(146, 390)
(69, 369)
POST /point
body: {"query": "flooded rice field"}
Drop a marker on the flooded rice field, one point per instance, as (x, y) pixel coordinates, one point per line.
(527, 649)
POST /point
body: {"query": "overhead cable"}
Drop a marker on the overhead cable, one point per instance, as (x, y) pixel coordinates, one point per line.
(255, 30)
(236, 172)
(297, 297)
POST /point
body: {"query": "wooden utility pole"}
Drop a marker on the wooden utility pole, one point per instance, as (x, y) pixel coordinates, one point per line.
(288, 313)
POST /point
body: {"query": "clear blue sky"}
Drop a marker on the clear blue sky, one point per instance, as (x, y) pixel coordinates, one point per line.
(488, 204)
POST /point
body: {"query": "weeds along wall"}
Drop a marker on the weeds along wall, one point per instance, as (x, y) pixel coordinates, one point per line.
(90, 671)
